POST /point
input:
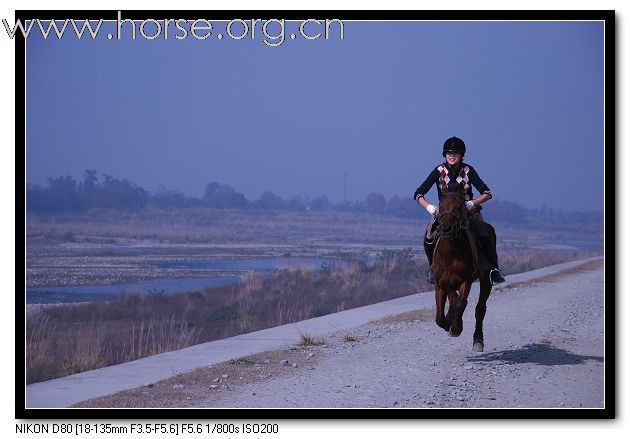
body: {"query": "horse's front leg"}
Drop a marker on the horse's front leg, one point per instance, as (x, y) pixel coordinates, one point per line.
(452, 300)
(480, 311)
(440, 301)
(458, 309)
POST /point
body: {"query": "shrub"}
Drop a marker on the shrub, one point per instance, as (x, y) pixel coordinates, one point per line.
(159, 336)
(40, 359)
(308, 340)
(87, 351)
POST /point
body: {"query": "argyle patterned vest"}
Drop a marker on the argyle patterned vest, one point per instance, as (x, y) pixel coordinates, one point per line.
(462, 178)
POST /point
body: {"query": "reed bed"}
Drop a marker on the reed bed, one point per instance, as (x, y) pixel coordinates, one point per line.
(62, 340)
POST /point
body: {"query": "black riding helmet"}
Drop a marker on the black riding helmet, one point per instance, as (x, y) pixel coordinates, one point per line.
(454, 144)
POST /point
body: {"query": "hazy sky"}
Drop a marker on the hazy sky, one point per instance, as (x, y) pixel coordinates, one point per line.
(526, 97)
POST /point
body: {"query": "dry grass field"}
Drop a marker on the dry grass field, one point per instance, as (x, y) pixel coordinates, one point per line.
(380, 258)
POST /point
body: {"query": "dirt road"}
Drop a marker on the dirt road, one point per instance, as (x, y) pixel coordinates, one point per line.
(544, 348)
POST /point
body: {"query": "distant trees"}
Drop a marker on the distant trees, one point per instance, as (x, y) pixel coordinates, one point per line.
(297, 203)
(223, 196)
(376, 203)
(118, 194)
(320, 203)
(167, 198)
(403, 207)
(395, 205)
(552, 215)
(504, 211)
(269, 201)
(64, 194)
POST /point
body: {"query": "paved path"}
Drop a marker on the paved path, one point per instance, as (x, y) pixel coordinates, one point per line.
(544, 349)
(66, 391)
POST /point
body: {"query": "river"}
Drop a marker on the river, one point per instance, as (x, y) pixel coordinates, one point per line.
(221, 272)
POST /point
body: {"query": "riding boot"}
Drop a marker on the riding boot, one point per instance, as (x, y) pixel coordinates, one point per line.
(428, 249)
(490, 251)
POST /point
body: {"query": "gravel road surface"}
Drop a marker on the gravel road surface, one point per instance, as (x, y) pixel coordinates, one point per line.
(544, 347)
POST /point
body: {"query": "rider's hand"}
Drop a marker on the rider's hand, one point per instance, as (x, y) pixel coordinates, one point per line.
(469, 204)
(431, 209)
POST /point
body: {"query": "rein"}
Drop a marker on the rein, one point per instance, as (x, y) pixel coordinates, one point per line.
(453, 231)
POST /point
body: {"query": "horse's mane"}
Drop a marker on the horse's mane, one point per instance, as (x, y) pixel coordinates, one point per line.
(454, 190)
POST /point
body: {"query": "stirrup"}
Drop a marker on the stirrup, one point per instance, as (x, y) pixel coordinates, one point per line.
(430, 275)
(496, 276)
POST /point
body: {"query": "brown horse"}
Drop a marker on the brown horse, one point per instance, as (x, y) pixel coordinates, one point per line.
(456, 265)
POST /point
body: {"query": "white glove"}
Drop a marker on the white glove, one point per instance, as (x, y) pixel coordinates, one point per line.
(431, 209)
(469, 204)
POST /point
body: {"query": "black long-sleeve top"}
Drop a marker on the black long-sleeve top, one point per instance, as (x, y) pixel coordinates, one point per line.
(444, 176)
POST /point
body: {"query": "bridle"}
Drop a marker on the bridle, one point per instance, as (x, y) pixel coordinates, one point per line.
(460, 223)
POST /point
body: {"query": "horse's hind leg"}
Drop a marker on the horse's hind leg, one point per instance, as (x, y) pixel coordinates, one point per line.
(480, 311)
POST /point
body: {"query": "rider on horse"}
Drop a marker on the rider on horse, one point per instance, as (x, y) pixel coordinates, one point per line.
(451, 174)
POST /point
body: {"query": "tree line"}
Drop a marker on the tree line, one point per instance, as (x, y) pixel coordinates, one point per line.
(65, 194)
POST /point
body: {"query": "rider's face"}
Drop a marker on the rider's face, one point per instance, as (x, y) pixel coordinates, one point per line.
(452, 158)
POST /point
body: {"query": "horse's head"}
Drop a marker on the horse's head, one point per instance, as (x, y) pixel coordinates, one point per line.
(452, 211)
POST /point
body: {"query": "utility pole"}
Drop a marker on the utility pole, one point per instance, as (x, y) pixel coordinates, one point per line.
(345, 185)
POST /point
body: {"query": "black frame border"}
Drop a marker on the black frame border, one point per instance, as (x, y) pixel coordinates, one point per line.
(611, 395)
